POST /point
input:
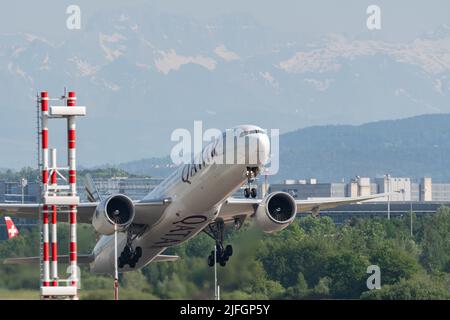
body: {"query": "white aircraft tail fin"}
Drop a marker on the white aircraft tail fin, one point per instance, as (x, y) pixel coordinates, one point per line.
(92, 192)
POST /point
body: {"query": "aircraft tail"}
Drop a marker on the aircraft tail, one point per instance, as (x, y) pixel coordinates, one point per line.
(11, 228)
(92, 192)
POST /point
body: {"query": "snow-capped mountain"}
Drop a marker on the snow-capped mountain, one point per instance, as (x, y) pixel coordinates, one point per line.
(143, 74)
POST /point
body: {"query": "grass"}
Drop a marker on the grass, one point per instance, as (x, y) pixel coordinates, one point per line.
(19, 294)
(103, 294)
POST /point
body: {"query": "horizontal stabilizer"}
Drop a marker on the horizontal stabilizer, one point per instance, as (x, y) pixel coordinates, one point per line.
(165, 257)
(82, 258)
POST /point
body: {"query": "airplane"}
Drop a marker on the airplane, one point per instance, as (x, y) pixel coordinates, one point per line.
(196, 197)
(11, 228)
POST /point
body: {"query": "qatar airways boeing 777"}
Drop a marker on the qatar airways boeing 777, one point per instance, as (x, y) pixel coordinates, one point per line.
(195, 197)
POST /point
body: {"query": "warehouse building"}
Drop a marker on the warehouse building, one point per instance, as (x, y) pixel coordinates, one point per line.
(304, 189)
(401, 188)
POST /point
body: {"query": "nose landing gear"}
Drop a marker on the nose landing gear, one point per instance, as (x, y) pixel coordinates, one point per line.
(250, 191)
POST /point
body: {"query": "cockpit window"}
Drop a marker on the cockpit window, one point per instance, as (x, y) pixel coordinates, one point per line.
(246, 133)
(242, 133)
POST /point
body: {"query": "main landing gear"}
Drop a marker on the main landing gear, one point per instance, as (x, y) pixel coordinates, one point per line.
(129, 255)
(250, 191)
(223, 254)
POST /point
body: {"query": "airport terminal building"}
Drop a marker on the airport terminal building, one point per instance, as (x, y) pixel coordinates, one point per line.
(421, 197)
(402, 188)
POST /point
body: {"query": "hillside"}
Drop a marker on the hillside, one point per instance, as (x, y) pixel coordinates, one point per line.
(415, 147)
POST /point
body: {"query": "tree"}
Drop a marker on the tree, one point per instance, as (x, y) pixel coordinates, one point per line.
(347, 271)
(298, 291)
(436, 240)
(394, 263)
(321, 290)
(420, 287)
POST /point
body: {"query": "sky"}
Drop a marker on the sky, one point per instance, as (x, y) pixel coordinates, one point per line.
(402, 19)
(402, 22)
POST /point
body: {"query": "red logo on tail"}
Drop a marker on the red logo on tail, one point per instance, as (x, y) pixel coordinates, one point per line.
(12, 230)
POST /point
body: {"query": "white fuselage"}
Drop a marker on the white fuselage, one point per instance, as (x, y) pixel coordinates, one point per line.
(197, 192)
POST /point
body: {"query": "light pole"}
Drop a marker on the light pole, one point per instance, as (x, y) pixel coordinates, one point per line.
(216, 287)
(23, 183)
(403, 191)
(388, 179)
(411, 217)
(116, 269)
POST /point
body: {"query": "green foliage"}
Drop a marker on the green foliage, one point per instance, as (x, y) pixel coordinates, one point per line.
(300, 252)
(106, 173)
(32, 174)
(396, 263)
(321, 290)
(311, 259)
(124, 294)
(435, 236)
(420, 287)
(29, 173)
(299, 290)
(347, 271)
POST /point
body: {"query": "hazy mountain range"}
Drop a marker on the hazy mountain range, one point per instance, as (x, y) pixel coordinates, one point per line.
(413, 147)
(143, 74)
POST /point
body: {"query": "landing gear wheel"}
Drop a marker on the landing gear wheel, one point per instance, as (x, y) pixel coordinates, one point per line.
(222, 253)
(129, 254)
(126, 251)
(251, 174)
(229, 250)
(211, 260)
(138, 253)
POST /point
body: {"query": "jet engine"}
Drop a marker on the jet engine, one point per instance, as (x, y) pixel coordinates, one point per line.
(276, 211)
(116, 209)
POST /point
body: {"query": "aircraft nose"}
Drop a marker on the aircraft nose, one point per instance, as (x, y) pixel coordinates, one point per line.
(255, 150)
(264, 148)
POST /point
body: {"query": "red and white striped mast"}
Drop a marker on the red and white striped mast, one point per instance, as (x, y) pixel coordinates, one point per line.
(45, 233)
(54, 182)
(57, 197)
(71, 139)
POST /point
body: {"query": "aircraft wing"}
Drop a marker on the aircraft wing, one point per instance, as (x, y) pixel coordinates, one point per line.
(147, 212)
(233, 207)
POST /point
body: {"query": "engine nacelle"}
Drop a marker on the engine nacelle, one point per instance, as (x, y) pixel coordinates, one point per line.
(276, 211)
(114, 209)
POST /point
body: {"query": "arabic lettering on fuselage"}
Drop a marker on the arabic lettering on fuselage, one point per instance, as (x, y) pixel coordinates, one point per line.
(206, 158)
(180, 231)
